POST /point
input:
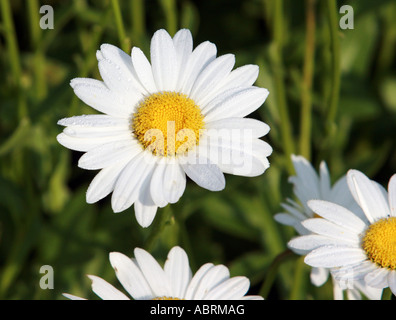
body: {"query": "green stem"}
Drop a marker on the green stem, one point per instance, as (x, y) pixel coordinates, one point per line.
(169, 7)
(13, 55)
(278, 73)
(39, 59)
(138, 22)
(162, 219)
(272, 272)
(306, 99)
(297, 292)
(335, 61)
(124, 41)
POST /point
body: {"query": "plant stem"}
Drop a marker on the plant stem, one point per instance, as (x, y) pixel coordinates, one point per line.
(35, 35)
(13, 55)
(297, 292)
(278, 73)
(335, 61)
(306, 99)
(169, 7)
(272, 272)
(138, 22)
(124, 41)
(158, 225)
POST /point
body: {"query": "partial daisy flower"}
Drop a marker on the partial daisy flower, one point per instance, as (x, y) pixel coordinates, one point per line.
(144, 279)
(308, 185)
(354, 248)
(180, 114)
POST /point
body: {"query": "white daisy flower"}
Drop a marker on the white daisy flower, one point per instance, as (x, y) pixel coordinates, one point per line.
(144, 279)
(182, 113)
(355, 249)
(308, 185)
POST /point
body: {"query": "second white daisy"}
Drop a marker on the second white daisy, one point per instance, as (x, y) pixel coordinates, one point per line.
(182, 114)
(144, 279)
(355, 249)
(308, 185)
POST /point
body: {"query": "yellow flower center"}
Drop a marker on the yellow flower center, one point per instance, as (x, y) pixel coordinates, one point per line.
(379, 243)
(168, 123)
(167, 298)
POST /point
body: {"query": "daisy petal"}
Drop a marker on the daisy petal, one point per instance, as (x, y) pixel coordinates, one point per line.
(143, 70)
(338, 215)
(205, 174)
(308, 186)
(127, 188)
(178, 271)
(117, 56)
(105, 290)
(245, 158)
(252, 298)
(183, 43)
(334, 256)
(241, 77)
(244, 76)
(119, 80)
(319, 276)
(95, 94)
(196, 280)
(286, 219)
(130, 276)
(356, 272)
(156, 186)
(231, 289)
(236, 103)
(377, 278)
(145, 208)
(94, 120)
(164, 61)
(86, 144)
(325, 185)
(392, 281)
(312, 241)
(233, 124)
(368, 195)
(202, 55)
(174, 182)
(123, 61)
(154, 274)
(209, 78)
(392, 195)
(72, 297)
(329, 229)
(104, 182)
(212, 278)
(109, 154)
(95, 132)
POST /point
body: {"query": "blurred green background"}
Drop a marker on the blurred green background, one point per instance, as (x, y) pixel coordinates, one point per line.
(332, 97)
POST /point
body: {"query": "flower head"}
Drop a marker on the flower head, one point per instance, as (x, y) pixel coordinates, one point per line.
(144, 279)
(180, 114)
(356, 249)
(309, 185)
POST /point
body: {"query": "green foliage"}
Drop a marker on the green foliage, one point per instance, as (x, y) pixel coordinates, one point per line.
(346, 95)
